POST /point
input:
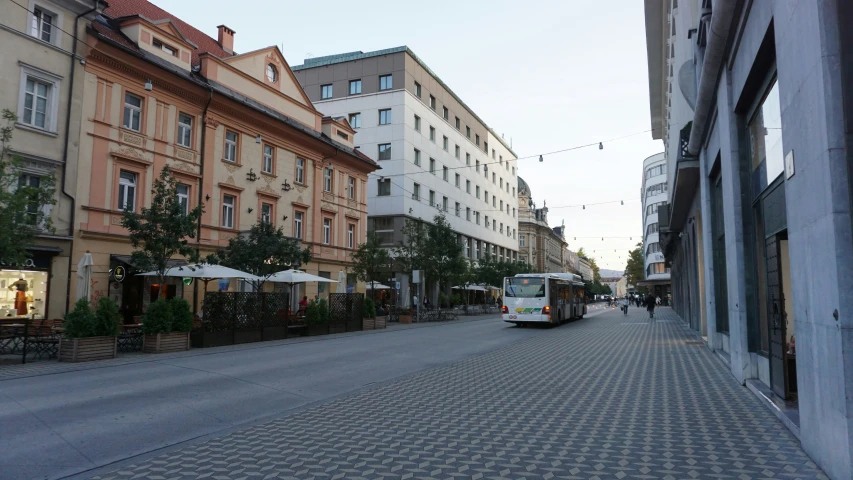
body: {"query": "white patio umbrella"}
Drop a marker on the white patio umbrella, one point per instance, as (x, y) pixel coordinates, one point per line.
(293, 277)
(204, 272)
(84, 276)
(342, 282)
(377, 286)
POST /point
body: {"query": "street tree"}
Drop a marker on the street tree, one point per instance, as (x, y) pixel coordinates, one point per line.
(411, 252)
(263, 252)
(162, 230)
(634, 268)
(443, 252)
(23, 200)
(369, 260)
(465, 276)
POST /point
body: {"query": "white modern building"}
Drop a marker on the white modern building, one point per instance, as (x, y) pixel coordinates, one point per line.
(435, 152)
(654, 195)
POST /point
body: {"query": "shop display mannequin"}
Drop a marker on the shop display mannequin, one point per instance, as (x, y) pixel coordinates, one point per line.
(20, 296)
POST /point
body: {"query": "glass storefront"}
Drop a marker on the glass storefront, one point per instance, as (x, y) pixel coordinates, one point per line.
(23, 293)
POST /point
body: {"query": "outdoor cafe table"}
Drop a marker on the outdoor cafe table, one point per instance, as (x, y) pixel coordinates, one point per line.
(15, 332)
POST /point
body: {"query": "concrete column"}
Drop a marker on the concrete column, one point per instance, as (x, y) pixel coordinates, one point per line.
(813, 62)
(733, 223)
(706, 160)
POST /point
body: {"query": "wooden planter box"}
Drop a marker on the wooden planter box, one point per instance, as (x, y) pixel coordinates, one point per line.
(87, 349)
(405, 319)
(380, 322)
(274, 333)
(166, 342)
(212, 339)
(368, 323)
(314, 330)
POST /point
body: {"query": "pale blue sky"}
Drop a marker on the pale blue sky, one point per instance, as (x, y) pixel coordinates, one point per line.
(549, 74)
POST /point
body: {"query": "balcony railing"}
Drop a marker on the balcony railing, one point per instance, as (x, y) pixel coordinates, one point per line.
(684, 140)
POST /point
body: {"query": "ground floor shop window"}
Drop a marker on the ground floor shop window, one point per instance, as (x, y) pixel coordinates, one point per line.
(23, 293)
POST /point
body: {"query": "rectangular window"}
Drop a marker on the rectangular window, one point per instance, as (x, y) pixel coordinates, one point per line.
(458, 208)
(486, 197)
(477, 166)
(266, 213)
(42, 25)
(416, 192)
(501, 182)
(486, 147)
(297, 224)
(445, 143)
(185, 130)
(468, 132)
(417, 123)
(418, 89)
(445, 173)
(230, 146)
(521, 240)
(385, 117)
(166, 48)
(487, 221)
(228, 203)
(458, 123)
(327, 180)
(444, 112)
(326, 91)
(432, 102)
(513, 212)
(384, 151)
(351, 188)
(355, 120)
(493, 177)
(127, 191)
(477, 217)
(765, 136)
(432, 133)
(37, 104)
(468, 213)
(384, 187)
(494, 201)
(355, 87)
(493, 154)
(417, 157)
(478, 191)
(269, 157)
(386, 82)
(432, 198)
(477, 141)
(327, 231)
(468, 159)
(457, 180)
(132, 112)
(444, 204)
(502, 205)
(432, 166)
(468, 186)
(351, 236)
(184, 198)
(32, 209)
(300, 170)
(457, 151)
(513, 192)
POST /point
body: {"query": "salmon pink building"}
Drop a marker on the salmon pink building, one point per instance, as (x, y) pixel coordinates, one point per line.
(236, 130)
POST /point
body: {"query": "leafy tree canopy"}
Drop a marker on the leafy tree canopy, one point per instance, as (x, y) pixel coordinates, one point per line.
(265, 250)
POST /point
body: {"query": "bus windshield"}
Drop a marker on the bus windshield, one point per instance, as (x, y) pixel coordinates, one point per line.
(525, 287)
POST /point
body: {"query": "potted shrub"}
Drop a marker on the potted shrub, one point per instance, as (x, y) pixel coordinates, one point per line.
(90, 335)
(318, 324)
(166, 325)
(368, 315)
(406, 315)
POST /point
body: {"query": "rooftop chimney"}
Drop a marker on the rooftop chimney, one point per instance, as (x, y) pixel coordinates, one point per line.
(226, 38)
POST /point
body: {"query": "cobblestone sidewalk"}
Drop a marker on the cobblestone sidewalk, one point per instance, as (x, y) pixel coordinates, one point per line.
(606, 397)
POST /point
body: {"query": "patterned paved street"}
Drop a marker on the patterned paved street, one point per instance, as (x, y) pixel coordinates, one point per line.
(606, 397)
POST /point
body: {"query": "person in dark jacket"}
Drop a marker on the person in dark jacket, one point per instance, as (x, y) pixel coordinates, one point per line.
(650, 305)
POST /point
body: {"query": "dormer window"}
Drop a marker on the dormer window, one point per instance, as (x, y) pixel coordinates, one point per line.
(272, 73)
(166, 48)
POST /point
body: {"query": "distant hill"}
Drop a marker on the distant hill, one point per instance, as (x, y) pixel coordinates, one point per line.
(605, 273)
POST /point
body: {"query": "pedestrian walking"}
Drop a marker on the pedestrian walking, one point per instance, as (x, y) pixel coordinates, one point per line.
(650, 305)
(625, 305)
(426, 302)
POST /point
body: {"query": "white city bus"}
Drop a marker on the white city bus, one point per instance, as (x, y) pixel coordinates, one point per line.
(543, 298)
